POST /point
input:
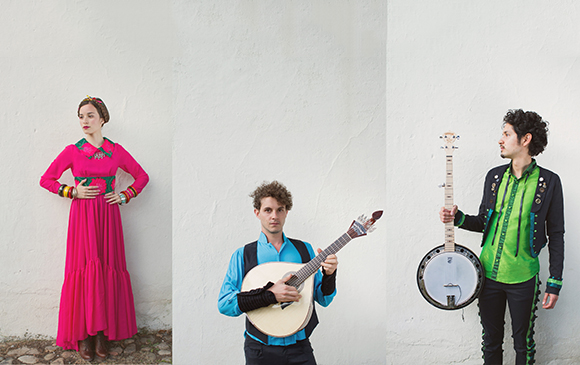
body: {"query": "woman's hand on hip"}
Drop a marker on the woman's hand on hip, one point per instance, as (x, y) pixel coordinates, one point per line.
(86, 192)
(113, 198)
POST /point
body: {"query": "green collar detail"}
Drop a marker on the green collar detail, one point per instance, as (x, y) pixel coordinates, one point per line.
(93, 152)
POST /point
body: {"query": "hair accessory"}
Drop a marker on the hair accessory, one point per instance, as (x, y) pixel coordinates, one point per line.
(99, 104)
(93, 99)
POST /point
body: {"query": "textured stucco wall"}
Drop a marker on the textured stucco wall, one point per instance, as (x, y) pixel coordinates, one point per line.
(215, 97)
(293, 91)
(53, 54)
(455, 65)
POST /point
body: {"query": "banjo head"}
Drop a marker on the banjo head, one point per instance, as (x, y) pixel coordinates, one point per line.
(450, 280)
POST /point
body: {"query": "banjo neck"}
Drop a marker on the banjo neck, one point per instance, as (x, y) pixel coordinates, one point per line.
(449, 139)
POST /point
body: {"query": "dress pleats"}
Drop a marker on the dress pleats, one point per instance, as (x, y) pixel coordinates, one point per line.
(96, 294)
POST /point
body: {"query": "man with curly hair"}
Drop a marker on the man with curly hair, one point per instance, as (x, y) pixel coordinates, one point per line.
(272, 202)
(522, 210)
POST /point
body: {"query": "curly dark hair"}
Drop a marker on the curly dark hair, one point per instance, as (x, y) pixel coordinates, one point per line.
(529, 122)
(275, 190)
(98, 104)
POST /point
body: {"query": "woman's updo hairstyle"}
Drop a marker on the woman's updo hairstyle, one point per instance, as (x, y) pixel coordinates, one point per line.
(98, 104)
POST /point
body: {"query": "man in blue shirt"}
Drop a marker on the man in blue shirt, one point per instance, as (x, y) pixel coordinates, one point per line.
(272, 201)
(522, 210)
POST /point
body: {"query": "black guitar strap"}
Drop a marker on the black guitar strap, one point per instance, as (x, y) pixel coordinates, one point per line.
(251, 261)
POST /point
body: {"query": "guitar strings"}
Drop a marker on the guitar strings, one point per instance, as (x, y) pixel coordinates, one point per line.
(313, 265)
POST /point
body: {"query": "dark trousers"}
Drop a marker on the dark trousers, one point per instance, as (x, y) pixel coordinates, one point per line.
(259, 354)
(522, 300)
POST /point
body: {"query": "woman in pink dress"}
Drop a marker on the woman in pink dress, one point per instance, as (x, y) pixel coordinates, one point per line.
(96, 302)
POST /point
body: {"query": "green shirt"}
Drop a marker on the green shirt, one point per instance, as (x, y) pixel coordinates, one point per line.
(501, 257)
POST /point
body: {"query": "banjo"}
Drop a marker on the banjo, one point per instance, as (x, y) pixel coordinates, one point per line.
(285, 319)
(450, 276)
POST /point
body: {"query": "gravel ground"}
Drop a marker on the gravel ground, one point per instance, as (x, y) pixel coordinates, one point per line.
(145, 347)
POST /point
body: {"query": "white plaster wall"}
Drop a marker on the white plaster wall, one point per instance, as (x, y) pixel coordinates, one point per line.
(457, 65)
(53, 53)
(293, 91)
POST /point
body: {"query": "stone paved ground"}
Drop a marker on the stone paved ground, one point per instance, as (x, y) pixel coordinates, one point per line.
(145, 347)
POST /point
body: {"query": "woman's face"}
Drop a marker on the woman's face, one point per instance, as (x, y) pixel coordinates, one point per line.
(89, 119)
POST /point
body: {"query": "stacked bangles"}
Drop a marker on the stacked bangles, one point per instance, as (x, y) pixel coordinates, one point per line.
(71, 192)
(127, 195)
(67, 191)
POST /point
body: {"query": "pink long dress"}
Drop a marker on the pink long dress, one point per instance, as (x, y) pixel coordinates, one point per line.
(96, 294)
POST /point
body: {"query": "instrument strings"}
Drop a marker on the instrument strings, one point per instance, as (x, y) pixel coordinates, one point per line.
(449, 226)
(313, 265)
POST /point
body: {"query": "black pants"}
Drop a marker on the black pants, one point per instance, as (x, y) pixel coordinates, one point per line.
(522, 300)
(259, 354)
